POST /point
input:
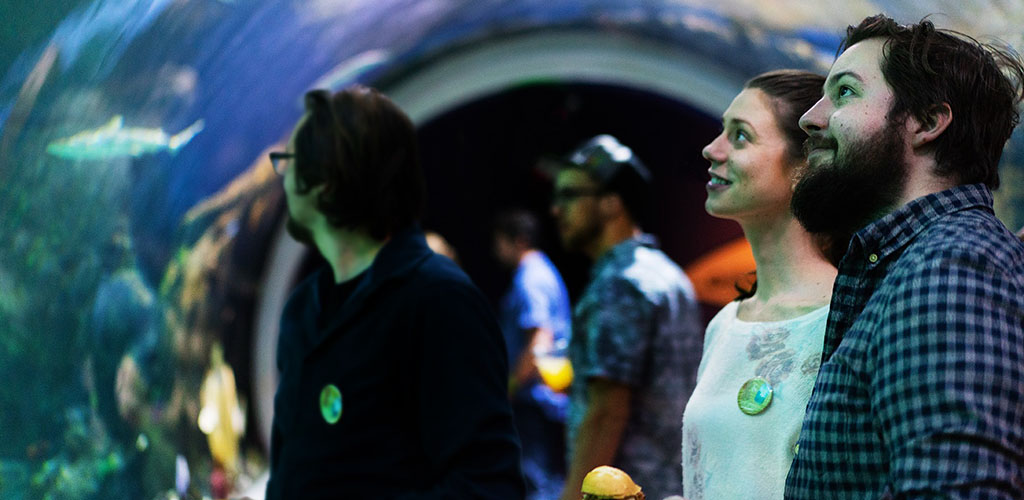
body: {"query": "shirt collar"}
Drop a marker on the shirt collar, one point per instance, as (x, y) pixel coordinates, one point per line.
(892, 232)
(406, 249)
(624, 249)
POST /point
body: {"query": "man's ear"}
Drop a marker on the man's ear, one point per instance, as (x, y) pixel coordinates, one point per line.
(923, 132)
(611, 204)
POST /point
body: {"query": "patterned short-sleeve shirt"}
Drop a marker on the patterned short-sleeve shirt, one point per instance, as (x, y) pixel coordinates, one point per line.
(921, 389)
(637, 323)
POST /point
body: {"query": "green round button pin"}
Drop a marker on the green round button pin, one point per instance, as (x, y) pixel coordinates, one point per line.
(330, 403)
(755, 396)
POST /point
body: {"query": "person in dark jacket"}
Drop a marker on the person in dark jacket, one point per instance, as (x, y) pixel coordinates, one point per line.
(393, 371)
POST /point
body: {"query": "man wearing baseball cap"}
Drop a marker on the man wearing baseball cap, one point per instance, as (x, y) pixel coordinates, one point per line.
(636, 340)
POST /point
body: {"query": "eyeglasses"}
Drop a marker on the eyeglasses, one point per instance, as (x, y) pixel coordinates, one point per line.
(279, 159)
(566, 194)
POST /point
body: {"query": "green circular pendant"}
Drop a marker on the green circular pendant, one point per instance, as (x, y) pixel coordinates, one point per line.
(755, 396)
(330, 403)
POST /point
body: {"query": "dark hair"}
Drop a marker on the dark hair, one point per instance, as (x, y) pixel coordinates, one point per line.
(518, 224)
(792, 93)
(981, 83)
(362, 148)
(617, 170)
(634, 189)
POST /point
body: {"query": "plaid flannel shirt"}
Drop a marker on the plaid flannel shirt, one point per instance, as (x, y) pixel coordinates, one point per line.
(921, 389)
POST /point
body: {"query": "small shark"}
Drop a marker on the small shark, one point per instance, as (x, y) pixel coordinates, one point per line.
(113, 141)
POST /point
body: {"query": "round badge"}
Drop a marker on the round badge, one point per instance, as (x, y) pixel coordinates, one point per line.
(755, 396)
(330, 403)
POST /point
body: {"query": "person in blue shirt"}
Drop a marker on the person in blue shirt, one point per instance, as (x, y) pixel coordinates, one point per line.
(535, 316)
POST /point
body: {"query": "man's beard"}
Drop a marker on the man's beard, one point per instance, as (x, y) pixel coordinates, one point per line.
(841, 196)
(299, 232)
(583, 237)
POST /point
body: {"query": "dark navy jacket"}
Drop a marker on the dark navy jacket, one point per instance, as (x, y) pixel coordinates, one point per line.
(420, 363)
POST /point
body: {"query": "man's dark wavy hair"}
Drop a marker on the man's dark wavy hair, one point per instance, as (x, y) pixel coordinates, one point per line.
(982, 84)
(362, 148)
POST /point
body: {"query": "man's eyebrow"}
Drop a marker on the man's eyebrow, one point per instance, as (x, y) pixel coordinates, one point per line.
(832, 79)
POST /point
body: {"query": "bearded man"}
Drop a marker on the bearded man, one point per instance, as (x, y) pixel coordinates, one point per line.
(919, 393)
(636, 334)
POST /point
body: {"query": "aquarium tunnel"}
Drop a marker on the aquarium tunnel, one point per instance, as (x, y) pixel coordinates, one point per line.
(144, 263)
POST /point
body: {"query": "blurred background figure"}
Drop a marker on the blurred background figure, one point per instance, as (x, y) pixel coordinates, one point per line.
(535, 318)
(132, 370)
(636, 329)
(440, 245)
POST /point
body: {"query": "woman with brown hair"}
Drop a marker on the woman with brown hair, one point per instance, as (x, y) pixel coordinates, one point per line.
(761, 351)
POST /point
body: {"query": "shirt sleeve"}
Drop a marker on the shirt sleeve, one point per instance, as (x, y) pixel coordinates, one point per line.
(536, 305)
(619, 330)
(947, 381)
(465, 420)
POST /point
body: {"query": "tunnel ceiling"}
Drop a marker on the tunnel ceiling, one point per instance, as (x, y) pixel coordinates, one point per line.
(240, 65)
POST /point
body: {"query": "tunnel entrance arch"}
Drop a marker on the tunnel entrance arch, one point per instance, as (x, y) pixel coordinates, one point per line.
(598, 64)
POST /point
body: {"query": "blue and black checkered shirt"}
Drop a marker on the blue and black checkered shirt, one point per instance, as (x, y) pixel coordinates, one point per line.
(921, 389)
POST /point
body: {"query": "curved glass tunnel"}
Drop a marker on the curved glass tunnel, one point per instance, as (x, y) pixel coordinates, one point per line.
(144, 266)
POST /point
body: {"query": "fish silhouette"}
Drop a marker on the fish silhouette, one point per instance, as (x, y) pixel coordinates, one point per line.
(114, 140)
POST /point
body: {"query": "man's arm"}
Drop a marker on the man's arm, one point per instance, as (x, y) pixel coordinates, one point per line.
(618, 336)
(600, 432)
(524, 368)
(464, 416)
(949, 368)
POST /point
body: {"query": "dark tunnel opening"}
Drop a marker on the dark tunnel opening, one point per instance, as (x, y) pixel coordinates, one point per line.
(482, 157)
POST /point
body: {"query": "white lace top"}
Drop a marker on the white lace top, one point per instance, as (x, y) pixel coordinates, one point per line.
(726, 453)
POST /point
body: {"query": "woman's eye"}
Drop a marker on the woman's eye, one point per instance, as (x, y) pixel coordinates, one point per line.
(844, 91)
(741, 136)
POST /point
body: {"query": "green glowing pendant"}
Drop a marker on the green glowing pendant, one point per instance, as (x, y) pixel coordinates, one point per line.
(755, 396)
(330, 403)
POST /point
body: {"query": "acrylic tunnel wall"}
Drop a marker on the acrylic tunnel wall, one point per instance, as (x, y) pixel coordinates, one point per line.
(143, 266)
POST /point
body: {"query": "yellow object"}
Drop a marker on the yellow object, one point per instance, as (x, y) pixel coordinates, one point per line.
(606, 482)
(555, 371)
(221, 418)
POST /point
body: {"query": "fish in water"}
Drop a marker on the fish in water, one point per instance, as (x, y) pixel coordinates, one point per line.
(113, 140)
